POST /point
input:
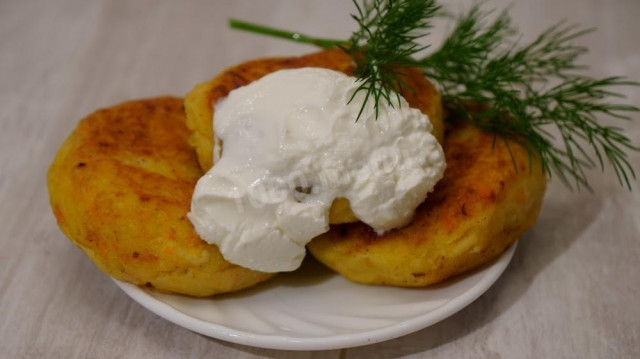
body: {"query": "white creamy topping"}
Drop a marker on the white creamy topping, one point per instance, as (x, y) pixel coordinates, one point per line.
(291, 146)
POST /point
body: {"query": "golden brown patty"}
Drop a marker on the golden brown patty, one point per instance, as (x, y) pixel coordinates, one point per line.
(200, 101)
(120, 188)
(481, 205)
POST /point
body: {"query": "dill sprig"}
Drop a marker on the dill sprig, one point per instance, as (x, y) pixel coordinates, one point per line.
(385, 42)
(521, 93)
(284, 34)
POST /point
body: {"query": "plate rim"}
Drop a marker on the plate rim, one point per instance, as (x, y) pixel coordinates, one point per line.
(218, 331)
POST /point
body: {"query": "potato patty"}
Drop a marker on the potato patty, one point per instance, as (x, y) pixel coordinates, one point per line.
(481, 205)
(120, 187)
(199, 103)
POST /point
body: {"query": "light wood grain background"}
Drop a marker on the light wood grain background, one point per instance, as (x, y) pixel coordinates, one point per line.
(572, 290)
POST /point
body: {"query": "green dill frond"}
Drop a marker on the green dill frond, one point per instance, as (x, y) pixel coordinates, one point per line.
(522, 92)
(385, 42)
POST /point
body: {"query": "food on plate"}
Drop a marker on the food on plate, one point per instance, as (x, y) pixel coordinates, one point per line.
(480, 206)
(122, 183)
(287, 145)
(120, 188)
(199, 103)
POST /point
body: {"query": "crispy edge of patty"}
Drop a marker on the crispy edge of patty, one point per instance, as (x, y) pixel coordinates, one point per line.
(120, 187)
(481, 206)
(200, 101)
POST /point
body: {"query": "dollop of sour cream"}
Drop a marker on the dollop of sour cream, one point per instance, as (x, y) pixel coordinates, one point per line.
(287, 145)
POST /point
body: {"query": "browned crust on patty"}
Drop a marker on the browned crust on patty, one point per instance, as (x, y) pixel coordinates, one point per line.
(120, 188)
(481, 205)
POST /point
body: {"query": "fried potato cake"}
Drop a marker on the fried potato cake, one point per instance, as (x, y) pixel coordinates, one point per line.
(199, 103)
(120, 187)
(481, 205)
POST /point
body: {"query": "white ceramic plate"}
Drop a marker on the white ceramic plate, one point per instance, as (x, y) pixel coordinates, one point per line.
(315, 309)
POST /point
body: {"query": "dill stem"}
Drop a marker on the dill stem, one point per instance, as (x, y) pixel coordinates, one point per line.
(284, 34)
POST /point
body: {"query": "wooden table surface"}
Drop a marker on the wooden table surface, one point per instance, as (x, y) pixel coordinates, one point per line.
(571, 291)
